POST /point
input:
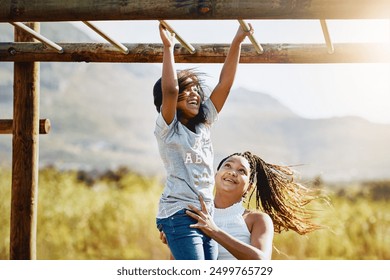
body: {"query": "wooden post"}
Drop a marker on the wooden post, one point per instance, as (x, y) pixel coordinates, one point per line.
(25, 144)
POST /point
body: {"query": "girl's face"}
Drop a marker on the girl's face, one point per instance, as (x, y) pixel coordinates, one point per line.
(189, 101)
(233, 176)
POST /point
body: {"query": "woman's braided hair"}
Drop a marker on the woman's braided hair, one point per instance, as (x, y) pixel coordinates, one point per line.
(278, 195)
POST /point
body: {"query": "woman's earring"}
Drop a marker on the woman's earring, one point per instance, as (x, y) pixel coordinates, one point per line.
(244, 197)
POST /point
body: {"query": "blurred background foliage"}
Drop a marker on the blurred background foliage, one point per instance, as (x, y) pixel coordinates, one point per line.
(111, 215)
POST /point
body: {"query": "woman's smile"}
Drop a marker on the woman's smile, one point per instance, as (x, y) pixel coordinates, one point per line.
(229, 179)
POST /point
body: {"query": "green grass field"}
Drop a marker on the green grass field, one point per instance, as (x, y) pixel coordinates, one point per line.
(113, 217)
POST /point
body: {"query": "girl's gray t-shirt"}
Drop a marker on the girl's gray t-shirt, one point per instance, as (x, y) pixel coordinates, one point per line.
(188, 161)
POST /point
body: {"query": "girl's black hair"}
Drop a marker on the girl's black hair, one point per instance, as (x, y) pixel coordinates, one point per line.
(186, 78)
(278, 195)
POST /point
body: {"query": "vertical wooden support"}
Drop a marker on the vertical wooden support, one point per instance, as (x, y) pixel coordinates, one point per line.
(25, 144)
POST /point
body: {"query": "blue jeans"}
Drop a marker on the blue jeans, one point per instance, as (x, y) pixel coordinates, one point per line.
(187, 243)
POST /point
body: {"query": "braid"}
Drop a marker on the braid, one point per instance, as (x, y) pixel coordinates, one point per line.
(278, 195)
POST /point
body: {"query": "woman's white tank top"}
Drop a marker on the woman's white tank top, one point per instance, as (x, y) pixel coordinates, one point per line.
(231, 221)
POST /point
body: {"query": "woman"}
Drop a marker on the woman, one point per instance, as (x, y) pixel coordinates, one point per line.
(248, 234)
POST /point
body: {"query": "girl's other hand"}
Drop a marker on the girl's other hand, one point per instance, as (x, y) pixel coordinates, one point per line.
(163, 237)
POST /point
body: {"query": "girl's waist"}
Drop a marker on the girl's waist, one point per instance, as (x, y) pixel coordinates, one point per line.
(168, 207)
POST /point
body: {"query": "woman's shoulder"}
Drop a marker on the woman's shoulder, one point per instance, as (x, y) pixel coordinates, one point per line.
(257, 219)
(257, 215)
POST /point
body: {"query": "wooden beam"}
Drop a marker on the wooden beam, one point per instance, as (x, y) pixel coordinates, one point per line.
(213, 53)
(6, 126)
(25, 142)
(76, 10)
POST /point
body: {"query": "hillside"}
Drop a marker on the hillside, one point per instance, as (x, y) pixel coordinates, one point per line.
(103, 116)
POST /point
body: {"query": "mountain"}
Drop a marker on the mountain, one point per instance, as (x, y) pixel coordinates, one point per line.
(103, 116)
(336, 148)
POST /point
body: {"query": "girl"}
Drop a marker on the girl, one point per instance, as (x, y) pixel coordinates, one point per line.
(183, 136)
(246, 234)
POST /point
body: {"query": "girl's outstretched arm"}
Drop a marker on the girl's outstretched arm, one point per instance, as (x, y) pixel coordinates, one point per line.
(228, 72)
(169, 84)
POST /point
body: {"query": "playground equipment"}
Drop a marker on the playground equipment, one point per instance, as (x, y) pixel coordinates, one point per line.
(26, 55)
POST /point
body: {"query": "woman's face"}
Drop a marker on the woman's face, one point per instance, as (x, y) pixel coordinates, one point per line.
(233, 177)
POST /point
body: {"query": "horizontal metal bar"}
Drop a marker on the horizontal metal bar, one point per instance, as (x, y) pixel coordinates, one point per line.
(252, 38)
(117, 44)
(328, 41)
(37, 36)
(188, 46)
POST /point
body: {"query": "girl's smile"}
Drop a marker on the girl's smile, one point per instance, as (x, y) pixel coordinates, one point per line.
(188, 103)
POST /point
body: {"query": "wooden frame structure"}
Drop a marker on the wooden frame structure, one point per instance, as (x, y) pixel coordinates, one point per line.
(26, 54)
(75, 10)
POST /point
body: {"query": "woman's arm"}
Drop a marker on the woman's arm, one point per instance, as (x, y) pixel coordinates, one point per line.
(228, 72)
(261, 234)
(169, 84)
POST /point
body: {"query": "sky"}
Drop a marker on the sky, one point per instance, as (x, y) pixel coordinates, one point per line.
(310, 90)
